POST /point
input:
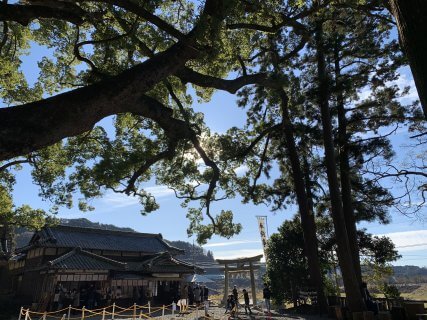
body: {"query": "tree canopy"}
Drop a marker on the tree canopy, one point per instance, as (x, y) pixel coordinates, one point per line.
(301, 70)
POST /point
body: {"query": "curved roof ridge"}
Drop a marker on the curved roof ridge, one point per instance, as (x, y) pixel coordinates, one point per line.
(80, 251)
(99, 230)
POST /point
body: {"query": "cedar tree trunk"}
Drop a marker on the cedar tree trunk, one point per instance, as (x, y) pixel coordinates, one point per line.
(352, 289)
(347, 201)
(307, 218)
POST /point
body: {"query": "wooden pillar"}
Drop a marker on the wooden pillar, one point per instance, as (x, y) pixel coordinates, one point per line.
(251, 270)
(225, 283)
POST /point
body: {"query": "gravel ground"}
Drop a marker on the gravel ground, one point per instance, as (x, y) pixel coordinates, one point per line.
(217, 313)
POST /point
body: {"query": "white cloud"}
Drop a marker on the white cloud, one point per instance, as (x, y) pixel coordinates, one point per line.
(230, 243)
(160, 191)
(406, 81)
(409, 240)
(241, 170)
(240, 253)
(120, 200)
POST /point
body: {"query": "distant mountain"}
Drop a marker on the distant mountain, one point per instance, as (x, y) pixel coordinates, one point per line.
(410, 270)
(409, 275)
(192, 252)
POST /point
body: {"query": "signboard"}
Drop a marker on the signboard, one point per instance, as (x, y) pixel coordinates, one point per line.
(166, 275)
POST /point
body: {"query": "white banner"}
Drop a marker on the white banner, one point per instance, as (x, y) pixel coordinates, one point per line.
(262, 223)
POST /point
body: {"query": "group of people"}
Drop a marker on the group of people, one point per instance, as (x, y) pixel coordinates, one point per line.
(193, 295)
(232, 303)
(63, 297)
(197, 294)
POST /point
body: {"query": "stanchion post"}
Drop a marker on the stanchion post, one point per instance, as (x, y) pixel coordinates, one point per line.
(134, 311)
(149, 308)
(112, 313)
(197, 312)
(69, 312)
(173, 308)
(83, 312)
(103, 314)
(163, 312)
(20, 313)
(27, 314)
(140, 315)
(44, 315)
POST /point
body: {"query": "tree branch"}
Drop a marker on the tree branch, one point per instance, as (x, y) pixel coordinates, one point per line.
(24, 14)
(38, 124)
(187, 75)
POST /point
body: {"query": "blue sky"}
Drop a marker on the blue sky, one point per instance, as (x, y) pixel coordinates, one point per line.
(221, 113)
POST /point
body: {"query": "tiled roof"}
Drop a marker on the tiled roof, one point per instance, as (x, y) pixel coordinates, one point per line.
(78, 259)
(82, 260)
(98, 239)
(162, 262)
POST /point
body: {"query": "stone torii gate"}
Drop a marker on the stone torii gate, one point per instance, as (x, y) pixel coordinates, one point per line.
(239, 265)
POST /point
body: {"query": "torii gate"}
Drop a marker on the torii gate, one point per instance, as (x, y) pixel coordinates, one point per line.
(240, 265)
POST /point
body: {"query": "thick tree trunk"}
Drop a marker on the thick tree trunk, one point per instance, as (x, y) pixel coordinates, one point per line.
(36, 125)
(347, 201)
(39, 124)
(352, 289)
(410, 17)
(307, 217)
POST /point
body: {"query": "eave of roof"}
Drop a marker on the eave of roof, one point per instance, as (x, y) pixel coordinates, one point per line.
(81, 259)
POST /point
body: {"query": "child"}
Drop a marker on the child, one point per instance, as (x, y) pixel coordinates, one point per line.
(230, 305)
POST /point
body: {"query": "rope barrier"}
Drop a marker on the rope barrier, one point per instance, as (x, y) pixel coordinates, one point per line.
(134, 312)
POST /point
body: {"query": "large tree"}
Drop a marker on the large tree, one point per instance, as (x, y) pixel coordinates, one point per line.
(133, 60)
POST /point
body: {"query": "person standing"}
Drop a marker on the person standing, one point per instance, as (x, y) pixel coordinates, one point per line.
(206, 300)
(197, 295)
(246, 298)
(235, 296)
(266, 294)
(190, 295)
(205, 294)
(76, 298)
(184, 299)
(91, 297)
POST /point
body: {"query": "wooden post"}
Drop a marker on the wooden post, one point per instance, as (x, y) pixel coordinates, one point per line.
(27, 314)
(103, 314)
(134, 311)
(69, 312)
(140, 315)
(83, 313)
(20, 313)
(44, 315)
(112, 313)
(163, 312)
(173, 308)
(149, 308)
(253, 288)
(225, 284)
